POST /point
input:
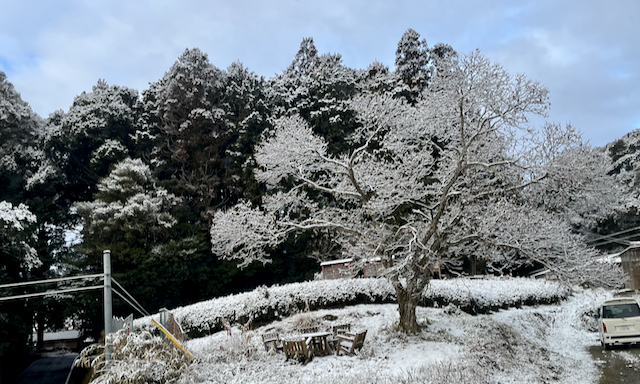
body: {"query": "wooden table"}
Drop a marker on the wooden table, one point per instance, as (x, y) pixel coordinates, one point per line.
(319, 342)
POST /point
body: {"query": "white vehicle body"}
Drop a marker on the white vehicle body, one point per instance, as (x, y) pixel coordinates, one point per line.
(619, 322)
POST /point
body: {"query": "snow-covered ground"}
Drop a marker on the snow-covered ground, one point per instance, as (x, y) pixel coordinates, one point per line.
(540, 344)
(267, 304)
(528, 345)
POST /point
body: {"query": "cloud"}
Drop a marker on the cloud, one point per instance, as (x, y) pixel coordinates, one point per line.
(585, 51)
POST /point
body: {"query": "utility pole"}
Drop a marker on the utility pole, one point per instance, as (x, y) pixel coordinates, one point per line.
(107, 306)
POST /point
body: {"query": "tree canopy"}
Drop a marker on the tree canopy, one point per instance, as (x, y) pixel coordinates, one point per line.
(422, 184)
(429, 163)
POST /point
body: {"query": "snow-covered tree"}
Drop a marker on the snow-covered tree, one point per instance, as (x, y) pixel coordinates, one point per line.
(30, 178)
(377, 79)
(413, 65)
(18, 258)
(247, 109)
(19, 125)
(422, 184)
(318, 88)
(133, 217)
(583, 199)
(22, 162)
(92, 136)
(624, 168)
(188, 128)
(129, 208)
(17, 239)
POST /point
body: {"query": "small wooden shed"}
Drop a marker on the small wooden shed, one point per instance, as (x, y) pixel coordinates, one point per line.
(337, 269)
(630, 260)
(345, 269)
(373, 268)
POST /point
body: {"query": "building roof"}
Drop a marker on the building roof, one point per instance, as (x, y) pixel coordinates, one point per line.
(331, 262)
(346, 261)
(612, 258)
(61, 335)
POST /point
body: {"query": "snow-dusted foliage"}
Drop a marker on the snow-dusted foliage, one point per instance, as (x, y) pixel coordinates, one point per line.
(93, 135)
(19, 125)
(128, 200)
(377, 78)
(413, 64)
(110, 149)
(428, 184)
(624, 160)
(581, 197)
(140, 357)
(20, 136)
(268, 304)
(17, 236)
(187, 126)
(318, 88)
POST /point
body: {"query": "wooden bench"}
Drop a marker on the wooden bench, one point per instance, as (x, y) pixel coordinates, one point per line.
(297, 350)
(272, 340)
(349, 343)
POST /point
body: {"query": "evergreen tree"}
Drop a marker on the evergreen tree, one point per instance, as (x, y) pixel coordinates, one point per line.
(318, 88)
(188, 129)
(94, 134)
(20, 248)
(624, 168)
(413, 65)
(132, 216)
(377, 79)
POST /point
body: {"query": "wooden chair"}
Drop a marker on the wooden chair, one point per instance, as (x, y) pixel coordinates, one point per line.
(349, 343)
(339, 329)
(309, 330)
(298, 350)
(342, 328)
(272, 339)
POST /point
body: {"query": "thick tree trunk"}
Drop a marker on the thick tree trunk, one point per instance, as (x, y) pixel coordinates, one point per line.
(407, 304)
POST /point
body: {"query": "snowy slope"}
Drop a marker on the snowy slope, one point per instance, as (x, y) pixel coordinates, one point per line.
(531, 344)
(268, 304)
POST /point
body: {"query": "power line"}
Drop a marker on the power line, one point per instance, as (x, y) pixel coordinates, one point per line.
(601, 237)
(621, 240)
(50, 280)
(50, 293)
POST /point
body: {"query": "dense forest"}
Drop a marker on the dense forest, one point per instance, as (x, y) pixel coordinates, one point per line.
(145, 174)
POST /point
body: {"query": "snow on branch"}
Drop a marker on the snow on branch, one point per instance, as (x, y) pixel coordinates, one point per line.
(18, 233)
(424, 183)
(244, 233)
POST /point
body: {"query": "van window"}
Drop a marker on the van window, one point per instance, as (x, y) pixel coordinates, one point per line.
(619, 311)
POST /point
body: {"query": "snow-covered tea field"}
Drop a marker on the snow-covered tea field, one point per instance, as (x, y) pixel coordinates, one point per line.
(522, 344)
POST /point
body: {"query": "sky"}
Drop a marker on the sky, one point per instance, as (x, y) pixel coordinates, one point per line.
(587, 52)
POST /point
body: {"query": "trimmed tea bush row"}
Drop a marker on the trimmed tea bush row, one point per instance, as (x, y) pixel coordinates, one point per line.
(264, 305)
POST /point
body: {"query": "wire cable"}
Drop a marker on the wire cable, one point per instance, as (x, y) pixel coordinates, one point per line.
(140, 310)
(50, 293)
(130, 296)
(51, 280)
(609, 236)
(621, 240)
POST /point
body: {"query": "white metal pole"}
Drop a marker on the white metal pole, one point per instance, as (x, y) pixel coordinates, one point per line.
(108, 314)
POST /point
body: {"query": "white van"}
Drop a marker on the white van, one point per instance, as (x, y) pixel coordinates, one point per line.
(619, 322)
